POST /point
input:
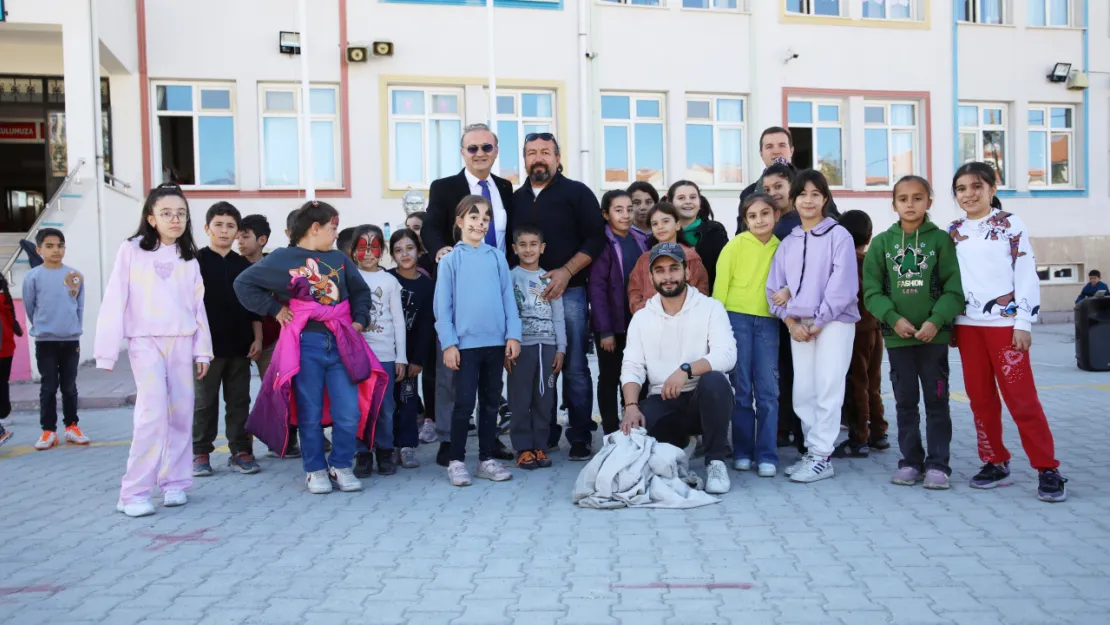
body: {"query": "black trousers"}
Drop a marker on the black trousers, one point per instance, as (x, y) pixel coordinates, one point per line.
(234, 374)
(789, 423)
(5, 394)
(478, 379)
(927, 365)
(57, 362)
(707, 410)
(609, 383)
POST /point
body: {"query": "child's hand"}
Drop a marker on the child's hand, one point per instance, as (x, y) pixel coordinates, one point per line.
(414, 370)
(399, 371)
(609, 344)
(781, 297)
(904, 328)
(256, 350)
(357, 326)
(813, 331)
(1022, 340)
(799, 333)
(284, 316)
(557, 366)
(202, 370)
(452, 358)
(512, 349)
(927, 332)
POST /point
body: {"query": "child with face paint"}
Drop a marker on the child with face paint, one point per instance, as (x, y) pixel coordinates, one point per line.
(385, 334)
(417, 293)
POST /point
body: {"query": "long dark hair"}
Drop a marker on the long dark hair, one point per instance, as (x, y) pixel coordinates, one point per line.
(706, 211)
(798, 186)
(347, 241)
(149, 239)
(667, 208)
(983, 172)
(405, 233)
(310, 213)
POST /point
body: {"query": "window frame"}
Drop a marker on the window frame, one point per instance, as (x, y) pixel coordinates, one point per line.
(717, 126)
(429, 90)
(1077, 272)
(1004, 127)
(1049, 132)
(741, 6)
(295, 89)
(659, 4)
(1069, 23)
(195, 114)
(809, 5)
(913, 7)
(976, 7)
(630, 124)
(522, 120)
(842, 105)
(891, 128)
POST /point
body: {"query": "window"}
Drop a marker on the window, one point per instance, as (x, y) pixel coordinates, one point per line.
(715, 140)
(1051, 146)
(646, 3)
(196, 134)
(713, 4)
(520, 113)
(1059, 274)
(814, 7)
(280, 132)
(983, 136)
(888, 9)
(632, 141)
(890, 141)
(818, 142)
(1049, 13)
(425, 125)
(980, 11)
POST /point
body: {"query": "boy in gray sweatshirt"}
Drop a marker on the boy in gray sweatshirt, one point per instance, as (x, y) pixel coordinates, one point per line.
(542, 348)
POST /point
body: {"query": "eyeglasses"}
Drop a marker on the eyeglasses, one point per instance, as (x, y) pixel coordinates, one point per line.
(173, 215)
(485, 147)
(539, 136)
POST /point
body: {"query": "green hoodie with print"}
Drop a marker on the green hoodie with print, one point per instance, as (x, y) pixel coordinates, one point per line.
(913, 275)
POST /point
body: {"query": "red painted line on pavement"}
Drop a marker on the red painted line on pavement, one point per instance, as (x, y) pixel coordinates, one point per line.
(158, 541)
(670, 586)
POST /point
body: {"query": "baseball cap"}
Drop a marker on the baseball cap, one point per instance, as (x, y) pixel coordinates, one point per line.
(670, 250)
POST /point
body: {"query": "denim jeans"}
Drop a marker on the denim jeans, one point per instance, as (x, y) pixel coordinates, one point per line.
(383, 429)
(406, 430)
(756, 376)
(57, 362)
(479, 375)
(322, 371)
(579, 395)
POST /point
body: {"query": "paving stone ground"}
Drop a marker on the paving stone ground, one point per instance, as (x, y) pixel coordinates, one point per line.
(411, 549)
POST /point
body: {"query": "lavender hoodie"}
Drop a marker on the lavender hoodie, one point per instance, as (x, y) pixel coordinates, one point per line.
(819, 267)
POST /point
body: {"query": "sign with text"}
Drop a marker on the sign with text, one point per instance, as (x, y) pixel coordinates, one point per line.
(21, 131)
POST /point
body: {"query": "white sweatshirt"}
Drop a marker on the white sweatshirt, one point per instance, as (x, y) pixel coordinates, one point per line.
(998, 272)
(386, 332)
(658, 344)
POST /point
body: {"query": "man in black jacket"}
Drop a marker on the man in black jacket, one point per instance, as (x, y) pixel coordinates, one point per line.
(568, 214)
(775, 142)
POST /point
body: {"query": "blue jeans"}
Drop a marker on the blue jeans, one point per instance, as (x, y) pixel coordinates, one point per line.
(322, 371)
(479, 375)
(579, 395)
(756, 376)
(383, 429)
(406, 431)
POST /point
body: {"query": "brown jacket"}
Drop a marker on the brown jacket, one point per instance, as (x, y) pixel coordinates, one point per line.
(641, 288)
(867, 321)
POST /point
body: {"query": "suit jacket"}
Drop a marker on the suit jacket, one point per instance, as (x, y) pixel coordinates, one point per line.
(444, 196)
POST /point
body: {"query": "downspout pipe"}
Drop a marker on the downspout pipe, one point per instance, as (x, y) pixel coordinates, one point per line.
(98, 136)
(585, 94)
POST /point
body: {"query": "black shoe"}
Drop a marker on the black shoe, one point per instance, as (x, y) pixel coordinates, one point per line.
(443, 455)
(385, 462)
(364, 464)
(293, 451)
(992, 476)
(783, 441)
(879, 443)
(1051, 488)
(848, 450)
(579, 452)
(501, 452)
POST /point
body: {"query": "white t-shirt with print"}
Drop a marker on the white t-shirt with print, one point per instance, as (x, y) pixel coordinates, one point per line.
(386, 332)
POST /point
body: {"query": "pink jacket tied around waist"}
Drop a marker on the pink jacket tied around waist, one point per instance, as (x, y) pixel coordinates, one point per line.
(275, 409)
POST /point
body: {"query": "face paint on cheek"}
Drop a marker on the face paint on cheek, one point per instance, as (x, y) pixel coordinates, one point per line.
(360, 249)
(376, 247)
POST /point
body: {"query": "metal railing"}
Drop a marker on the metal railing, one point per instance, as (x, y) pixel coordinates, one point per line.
(55, 200)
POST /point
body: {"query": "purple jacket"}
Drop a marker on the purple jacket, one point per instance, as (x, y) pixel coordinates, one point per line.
(607, 291)
(819, 267)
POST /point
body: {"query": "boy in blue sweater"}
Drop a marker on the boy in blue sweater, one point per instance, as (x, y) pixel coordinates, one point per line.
(479, 329)
(54, 299)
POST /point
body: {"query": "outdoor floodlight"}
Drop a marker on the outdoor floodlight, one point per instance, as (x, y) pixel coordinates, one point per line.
(1060, 72)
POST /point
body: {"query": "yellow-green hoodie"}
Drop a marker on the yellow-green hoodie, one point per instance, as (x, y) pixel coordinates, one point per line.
(741, 282)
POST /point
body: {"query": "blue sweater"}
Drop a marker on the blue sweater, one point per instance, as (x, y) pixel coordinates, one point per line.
(474, 302)
(54, 300)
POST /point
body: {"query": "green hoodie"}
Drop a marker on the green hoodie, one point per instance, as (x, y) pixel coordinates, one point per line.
(916, 276)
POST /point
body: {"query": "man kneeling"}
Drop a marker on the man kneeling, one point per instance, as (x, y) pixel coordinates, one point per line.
(681, 343)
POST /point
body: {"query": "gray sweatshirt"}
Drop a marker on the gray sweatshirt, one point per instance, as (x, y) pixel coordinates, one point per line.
(54, 300)
(542, 321)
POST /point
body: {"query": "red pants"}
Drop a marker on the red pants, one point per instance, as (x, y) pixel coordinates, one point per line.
(987, 355)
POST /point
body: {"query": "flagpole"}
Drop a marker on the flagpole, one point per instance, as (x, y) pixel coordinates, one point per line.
(308, 170)
(491, 51)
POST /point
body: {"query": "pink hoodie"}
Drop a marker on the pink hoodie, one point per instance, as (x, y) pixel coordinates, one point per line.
(151, 294)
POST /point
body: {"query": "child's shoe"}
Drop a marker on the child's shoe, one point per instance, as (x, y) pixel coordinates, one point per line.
(364, 464)
(136, 509)
(318, 482)
(1051, 487)
(542, 461)
(493, 470)
(992, 476)
(527, 461)
(742, 464)
(457, 473)
(501, 452)
(243, 463)
(345, 479)
(202, 467)
(47, 440)
(879, 443)
(935, 479)
(5, 434)
(428, 432)
(767, 469)
(815, 468)
(406, 457)
(906, 476)
(174, 497)
(848, 450)
(385, 462)
(717, 481)
(75, 436)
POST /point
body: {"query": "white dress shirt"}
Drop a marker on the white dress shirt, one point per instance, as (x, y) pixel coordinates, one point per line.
(500, 219)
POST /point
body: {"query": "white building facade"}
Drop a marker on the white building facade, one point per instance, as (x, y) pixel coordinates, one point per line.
(657, 90)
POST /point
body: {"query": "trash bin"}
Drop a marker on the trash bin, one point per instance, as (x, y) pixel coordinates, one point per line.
(1092, 334)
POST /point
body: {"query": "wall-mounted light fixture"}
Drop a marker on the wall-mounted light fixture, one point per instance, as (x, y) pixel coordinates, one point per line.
(1060, 72)
(289, 43)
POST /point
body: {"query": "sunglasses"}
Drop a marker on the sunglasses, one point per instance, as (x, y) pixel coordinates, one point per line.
(539, 136)
(485, 147)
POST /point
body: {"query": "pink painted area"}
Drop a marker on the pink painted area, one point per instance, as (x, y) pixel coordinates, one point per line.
(674, 586)
(21, 361)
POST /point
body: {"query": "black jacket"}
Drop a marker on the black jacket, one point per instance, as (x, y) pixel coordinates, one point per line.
(228, 320)
(443, 197)
(568, 214)
(712, 238)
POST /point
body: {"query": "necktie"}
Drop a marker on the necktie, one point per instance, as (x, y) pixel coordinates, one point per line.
(491, 234)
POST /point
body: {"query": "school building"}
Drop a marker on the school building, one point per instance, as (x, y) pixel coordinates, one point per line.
(208, 93)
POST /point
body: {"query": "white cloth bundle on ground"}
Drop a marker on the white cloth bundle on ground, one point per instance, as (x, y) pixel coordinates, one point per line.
(636, 471)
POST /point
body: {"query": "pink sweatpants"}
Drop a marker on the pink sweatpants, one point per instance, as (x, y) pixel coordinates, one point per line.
(161, 446)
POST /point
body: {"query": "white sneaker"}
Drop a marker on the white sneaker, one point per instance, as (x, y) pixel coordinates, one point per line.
(493, 470)
(428, 432)
(457, 473)
(318, 482)
(47, 440)
(174, 497)
(716, 480)
(345, 479)
(816, 468)
(742, 464)
(797, 465)
(766, 469)
(137, 509)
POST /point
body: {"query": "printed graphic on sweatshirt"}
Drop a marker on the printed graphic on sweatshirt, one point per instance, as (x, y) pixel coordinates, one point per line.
(994, 228)
(535, 311)
(73, 281)
(408, 298)
(323, 287)
(1008, 307)
(378, 298)
(909, 264)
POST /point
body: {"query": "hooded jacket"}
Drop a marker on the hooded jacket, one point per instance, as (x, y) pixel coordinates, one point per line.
(819, 267)
(608, 293)
(474, 302)
(641, 288)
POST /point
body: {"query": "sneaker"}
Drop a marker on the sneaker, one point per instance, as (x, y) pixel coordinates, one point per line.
(815, 468)
(906, 476)
(879, 443)
(527, 461)
(501, 452)
(457, 473)
(243, 463)
(385, 462)
(443, 455)
(742, 464)
(202, 467)
(935, 479)
(5, 434)
(75, 436)
(716, 480)
(345, 479)
(794, 467)
(766, 469)
(848, 450)
(364, 464)
(47, 440)
(318, 482)
(579, 452)
(505, 421)
(1051, 487)
(783, 441)
(293, 450)
(428, 432)
(406, 457)
(493, 470)
(136, 509)
(542, 461)
(992, 476)
(553, 447)
(174, 497)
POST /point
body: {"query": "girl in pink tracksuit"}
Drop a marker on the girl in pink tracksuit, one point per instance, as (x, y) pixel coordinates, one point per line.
(155, 300)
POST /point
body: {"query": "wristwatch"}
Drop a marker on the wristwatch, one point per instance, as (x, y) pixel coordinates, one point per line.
(688, 369)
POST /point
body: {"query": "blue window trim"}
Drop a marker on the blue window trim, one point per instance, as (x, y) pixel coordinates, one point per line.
(550, 5)
(1042, 193)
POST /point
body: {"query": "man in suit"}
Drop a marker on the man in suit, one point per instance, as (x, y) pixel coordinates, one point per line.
(479, 151)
